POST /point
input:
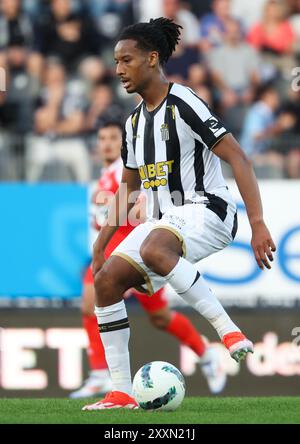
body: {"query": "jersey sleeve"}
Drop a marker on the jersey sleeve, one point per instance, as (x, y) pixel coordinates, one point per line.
(203, 124)
(211, 131)
(127, 151)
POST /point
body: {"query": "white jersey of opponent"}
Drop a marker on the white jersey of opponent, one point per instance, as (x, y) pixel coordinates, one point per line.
(172, 149)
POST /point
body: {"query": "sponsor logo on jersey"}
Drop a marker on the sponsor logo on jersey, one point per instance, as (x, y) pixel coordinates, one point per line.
(154, 174)
(215, 126)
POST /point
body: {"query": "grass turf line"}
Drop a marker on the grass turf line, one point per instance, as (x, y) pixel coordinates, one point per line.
(273, 410)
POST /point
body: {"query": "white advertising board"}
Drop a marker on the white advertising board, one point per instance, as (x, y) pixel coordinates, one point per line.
(233, 273)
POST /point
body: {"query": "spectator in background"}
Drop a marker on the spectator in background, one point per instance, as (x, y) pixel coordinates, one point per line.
(33, 7)
(274, 34)
(275, 39)
(18, 104)
(68, 35)
(249, 12)
(145, 9)
(294, 20)
(212, 29)
(199, 80)
(59, 123)
(16, 110)
(178, 11)
(292, 4)
(200, 8)
(15, 25)
(260, 128)
(102, 108)
(16, 39)
(291, 138)
(99, 8)
(16, 28)
(92, 70)
(234, 67)
(109, 16)
(197, 75)
(178, 65)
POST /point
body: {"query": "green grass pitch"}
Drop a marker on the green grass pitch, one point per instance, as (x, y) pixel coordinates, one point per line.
(273, 410)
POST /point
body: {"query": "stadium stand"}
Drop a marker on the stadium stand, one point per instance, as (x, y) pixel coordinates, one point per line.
(79, 36)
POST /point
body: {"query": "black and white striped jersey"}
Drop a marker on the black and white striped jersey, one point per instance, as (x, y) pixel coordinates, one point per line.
(172, 149)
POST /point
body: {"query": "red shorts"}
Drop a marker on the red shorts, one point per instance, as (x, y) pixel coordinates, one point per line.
(152, 303)
(88, 277)
(117, 238)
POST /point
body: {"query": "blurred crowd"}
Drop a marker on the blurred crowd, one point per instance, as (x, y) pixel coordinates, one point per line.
(58, 86)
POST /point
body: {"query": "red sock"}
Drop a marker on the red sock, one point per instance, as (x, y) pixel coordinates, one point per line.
(95, 350)
(182, 328)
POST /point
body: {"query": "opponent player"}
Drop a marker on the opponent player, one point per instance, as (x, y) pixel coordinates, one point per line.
(172, 145)
(178, 325)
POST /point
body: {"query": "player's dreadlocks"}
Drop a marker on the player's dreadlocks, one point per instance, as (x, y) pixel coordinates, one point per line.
(161, 35)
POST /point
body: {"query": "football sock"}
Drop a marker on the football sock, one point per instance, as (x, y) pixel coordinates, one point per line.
(100, 374)
(95, 350)
(182, 328)
(190, 285)
(114, 331)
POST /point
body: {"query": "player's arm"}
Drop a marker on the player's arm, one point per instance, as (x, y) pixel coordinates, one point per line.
(230, 151)
(117, 214)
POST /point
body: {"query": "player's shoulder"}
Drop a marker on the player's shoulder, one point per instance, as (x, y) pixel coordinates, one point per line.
(131, 119)
(116, 165)
(186, 93)
(110, 176)
(185, 98)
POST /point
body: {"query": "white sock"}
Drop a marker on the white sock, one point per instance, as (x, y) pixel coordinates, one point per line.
(100, 374)
(190, 285)
(114, 332)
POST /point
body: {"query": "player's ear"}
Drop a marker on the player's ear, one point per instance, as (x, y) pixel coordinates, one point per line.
(153, 59)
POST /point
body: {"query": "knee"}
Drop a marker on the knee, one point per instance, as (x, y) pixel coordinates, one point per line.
(160, 251)
(103, 282)
(152, 255)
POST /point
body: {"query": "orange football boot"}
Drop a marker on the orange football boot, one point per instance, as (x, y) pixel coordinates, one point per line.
(114, 400)
(238, 345)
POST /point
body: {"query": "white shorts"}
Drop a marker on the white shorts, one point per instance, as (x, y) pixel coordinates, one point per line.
(200, 230)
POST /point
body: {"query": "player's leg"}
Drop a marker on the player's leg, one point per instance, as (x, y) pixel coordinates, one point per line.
(179, 326)
(96, 353)
(115, 277)
(98, 381)
(170, 321)
(161, 252)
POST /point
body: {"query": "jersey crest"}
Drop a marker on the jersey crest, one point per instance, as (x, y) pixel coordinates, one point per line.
(164, 130)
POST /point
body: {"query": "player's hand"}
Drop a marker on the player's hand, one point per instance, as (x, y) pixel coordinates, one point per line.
(262, 245)
(98, 260)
